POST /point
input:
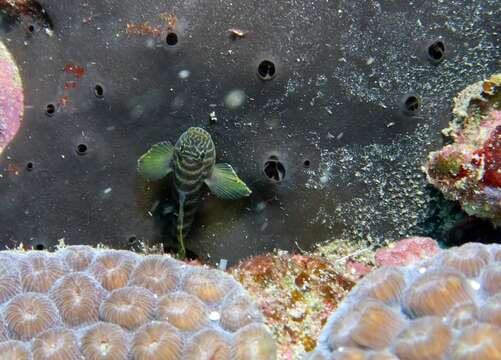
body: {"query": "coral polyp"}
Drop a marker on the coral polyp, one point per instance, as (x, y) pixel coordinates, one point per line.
(209, 286)
(157, 341)
(78, 297)
(39, 272)
(370, 325)
(14, 350)
(253, 342)
(184, 311)
(480, 341)
(385, 285)
(208, 345)
(238, 313)
(435, 293)
(112, 269)
(10, 284)
(94, 304)
(29, 314)
(78, 257)
(56, 344)
(449, 309)
(128, 307)
(155, 273)
(469, 259)
(427, 338)
(105, 341)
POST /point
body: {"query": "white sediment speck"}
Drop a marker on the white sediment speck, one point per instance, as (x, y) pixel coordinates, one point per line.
(212, 116)
(234, 99)
(474, 285)
(422, 270)
(261, 206)
(106, 191)
(214, 316)
(184, 74)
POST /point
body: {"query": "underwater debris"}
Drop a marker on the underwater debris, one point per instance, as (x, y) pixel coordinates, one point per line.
(447, 306)
(295, 293)
(192, 162)
(11, 98)
(116, 303)
(169, 23)
(469, 169)
(237, 33)
(143, 29)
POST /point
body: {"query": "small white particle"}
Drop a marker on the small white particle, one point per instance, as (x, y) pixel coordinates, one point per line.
(475, 285)
(184, 74)
(213, 116)
(107, 191)
(370, 60)
(214, 316)
(422, 270)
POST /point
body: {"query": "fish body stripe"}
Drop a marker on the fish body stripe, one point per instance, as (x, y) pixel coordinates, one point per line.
(194, 160)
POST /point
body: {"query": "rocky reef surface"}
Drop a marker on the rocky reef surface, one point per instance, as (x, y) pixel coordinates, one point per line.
(468, 169)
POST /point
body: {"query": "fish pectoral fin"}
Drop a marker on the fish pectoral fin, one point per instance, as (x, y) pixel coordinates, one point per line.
(225, 184)
(156, 162)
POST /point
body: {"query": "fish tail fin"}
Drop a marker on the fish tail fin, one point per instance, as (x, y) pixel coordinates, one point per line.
(180, 238)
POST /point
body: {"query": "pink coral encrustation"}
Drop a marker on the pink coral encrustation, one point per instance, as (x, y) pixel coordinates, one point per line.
(11, 98)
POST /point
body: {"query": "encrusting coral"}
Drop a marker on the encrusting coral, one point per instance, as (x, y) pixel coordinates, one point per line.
(468, 169)
(94, 304)
(445, 307)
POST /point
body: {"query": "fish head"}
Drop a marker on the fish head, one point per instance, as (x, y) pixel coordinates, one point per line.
(194, 145)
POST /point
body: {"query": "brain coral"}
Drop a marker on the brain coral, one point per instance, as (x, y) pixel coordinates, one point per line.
(84, 303)
(446, 307)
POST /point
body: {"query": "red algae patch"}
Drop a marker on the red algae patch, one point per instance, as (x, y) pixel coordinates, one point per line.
(11, 98)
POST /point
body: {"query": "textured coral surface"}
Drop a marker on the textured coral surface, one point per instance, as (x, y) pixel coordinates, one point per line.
(446, 307)
(83, 303)
(11, 98)
(296, 294)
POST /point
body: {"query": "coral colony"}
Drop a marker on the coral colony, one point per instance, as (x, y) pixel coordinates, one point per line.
(83, 303)
(445, 307)
(11, 98)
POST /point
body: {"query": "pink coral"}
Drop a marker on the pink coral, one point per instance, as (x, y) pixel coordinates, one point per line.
(407, 251)
(11, 98)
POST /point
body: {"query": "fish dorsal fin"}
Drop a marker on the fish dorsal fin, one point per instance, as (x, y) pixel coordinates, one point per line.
(225, 184)
(156, 162)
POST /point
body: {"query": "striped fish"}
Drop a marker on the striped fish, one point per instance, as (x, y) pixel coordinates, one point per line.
(193, 162)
